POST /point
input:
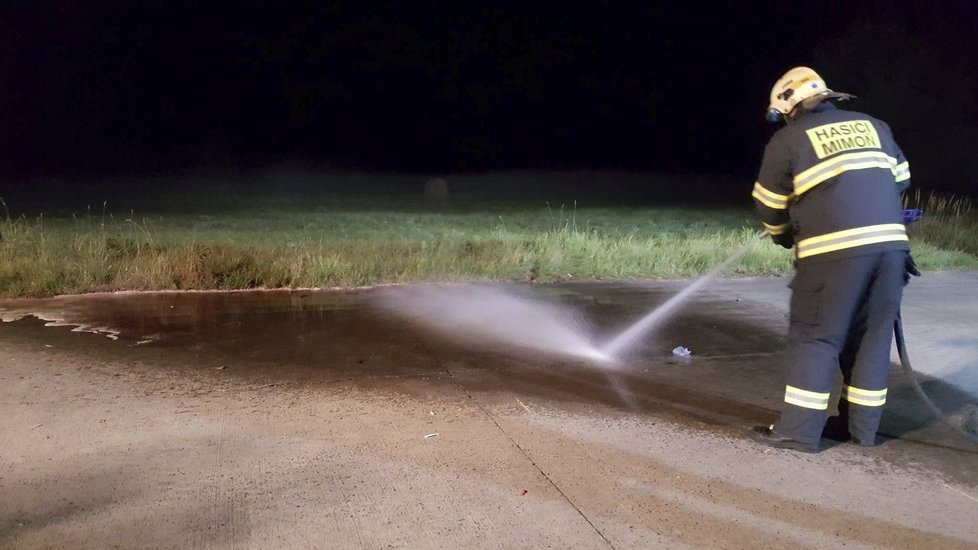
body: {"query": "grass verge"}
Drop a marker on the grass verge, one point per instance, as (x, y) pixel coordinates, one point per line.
(360, 241)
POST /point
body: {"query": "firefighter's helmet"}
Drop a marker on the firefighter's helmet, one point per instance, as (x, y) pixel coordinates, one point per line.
(795, 86)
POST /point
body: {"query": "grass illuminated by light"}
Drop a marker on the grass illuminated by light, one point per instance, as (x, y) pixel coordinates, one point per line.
(348, 242)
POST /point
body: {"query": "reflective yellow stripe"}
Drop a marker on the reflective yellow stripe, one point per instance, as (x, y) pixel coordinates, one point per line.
(806, 399)
(799, 179)
(837, 165)
(855, 231)
(851, 238)
(768, 198)
(867, 398)
(776, 229)
(901, 172)
(806, 393)
(867, 393)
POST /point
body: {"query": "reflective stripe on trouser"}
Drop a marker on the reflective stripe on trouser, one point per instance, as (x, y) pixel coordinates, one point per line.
(807, 399)
(842, 315)
(866, 398)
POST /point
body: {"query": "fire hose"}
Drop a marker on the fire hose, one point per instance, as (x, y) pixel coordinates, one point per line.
(910, 216)
(901, 346)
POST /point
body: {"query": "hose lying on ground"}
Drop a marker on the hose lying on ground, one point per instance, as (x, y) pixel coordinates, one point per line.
(905, 362)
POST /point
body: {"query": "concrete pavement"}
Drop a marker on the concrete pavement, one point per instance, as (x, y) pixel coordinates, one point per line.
(312, 419)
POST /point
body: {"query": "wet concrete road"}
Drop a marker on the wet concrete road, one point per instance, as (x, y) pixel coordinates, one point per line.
(345, 426)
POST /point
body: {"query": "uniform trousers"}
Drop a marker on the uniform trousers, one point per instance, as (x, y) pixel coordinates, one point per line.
(842, 318)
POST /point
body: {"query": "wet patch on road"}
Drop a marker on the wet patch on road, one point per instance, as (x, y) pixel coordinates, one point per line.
(309, 338)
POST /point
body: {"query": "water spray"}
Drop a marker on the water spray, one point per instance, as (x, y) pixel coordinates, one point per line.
(644, 325)
(497, 317)
(503, 317)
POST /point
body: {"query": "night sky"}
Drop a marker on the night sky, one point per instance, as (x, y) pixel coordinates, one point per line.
(100, 88)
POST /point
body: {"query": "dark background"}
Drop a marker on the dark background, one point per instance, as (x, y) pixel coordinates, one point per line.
(102, 89)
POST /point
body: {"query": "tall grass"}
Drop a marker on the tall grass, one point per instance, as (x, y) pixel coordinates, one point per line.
(949, 222)
(347, 242)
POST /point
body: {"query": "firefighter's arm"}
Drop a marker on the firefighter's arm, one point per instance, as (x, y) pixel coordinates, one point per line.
(901, 167)
(773, 193)
(901, 172)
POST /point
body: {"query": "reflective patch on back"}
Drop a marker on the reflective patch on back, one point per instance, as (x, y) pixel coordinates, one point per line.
(850, 135)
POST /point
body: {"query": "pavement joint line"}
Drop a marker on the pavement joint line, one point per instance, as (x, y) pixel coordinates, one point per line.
(526, 455)
(522, 451)
(955, 489)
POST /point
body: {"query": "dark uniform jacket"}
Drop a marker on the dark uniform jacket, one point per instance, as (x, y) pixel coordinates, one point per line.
(830, 184)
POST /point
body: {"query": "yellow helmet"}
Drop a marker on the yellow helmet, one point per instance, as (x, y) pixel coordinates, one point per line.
(795, 86)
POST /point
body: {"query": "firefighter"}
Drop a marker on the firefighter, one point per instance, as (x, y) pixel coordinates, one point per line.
(829, 187)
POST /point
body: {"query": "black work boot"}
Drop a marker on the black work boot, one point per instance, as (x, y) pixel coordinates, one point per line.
(837, 429)
(864, 442)
(766, 435)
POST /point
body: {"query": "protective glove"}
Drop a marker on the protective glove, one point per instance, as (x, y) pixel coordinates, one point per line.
(786, 239)
(910, 269)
